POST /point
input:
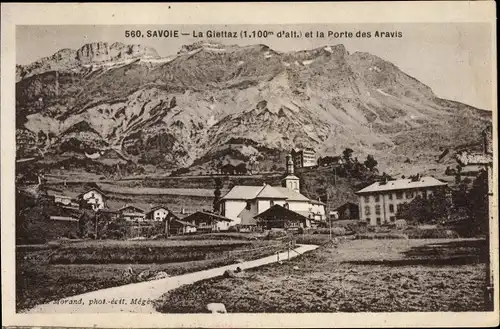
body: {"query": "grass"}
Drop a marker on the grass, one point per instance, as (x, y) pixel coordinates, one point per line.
(47, 274)
(356, 276)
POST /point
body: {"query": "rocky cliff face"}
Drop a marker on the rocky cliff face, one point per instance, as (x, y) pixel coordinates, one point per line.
(212, 102)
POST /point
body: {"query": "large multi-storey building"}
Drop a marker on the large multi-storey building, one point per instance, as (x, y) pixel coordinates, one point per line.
(304, 158)
(380, 202)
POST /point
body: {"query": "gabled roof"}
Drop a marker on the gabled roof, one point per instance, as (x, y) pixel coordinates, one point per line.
(156, 208)
(291, 195)
(133, 207)
(205, 215)
(348, 203)
(317, 202)
(401, 184)
(269, 192)
(240, 192)
(184, 223)
(290, 177)
(89, 189)
(278, 212)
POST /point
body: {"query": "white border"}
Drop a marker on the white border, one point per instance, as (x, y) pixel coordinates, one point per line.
(218, 13)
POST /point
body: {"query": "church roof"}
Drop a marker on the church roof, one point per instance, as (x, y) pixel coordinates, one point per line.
(290, 194)
(269, 192)
(290, 177)
(240, 192)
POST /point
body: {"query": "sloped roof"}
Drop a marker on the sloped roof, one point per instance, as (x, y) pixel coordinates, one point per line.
(206, 215)
(317, 202)
(240, 192)
(290, 177)
(291, 195)
(269, 192)
(278, 211)
(184, 223)
(401, 184)
(132, 206)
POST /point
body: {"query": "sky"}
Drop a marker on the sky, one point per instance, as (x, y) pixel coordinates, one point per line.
(454, 59)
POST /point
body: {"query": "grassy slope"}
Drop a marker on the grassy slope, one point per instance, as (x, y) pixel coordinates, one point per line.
(358, 276)
(38, 280)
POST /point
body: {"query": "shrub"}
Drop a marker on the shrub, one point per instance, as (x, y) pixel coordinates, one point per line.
(381, 236)
(437, 233)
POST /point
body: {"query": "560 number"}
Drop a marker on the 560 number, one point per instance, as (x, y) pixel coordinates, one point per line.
(133, 34)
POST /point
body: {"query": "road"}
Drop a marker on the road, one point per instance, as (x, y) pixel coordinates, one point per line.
(120, 299)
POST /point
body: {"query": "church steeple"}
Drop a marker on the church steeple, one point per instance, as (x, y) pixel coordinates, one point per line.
(289, 165)
(290, 181)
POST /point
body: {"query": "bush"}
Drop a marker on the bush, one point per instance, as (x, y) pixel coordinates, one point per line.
(381, 236)
(437, 233)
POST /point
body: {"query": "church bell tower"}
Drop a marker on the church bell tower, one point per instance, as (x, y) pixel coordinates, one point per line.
(290, 181)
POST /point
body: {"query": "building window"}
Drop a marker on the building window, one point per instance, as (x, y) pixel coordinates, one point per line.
(392, 218)
(92, 194)
(367, 210)
(399, 207)
(377, 210)
(390, 196)
(391, 208)
(367, 198)
(271, 203)
(378, 221)
(409, 194)
(377, 198)
(368, 219)
(399, 195)
(248, 206)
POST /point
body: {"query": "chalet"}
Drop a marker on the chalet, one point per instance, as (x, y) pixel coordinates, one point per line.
(380, 202)
(177, 226)
(208, 222)
(348, 210)
(158, 214)
(131, 213)
(280, 217)
(93, 197)
(243, 203)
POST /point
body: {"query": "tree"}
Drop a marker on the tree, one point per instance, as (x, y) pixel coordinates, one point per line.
(347, 154)
(370, 162)
(426, 209)
(241, 168)
(217, 194)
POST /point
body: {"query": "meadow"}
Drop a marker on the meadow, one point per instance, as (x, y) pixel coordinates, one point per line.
(52, 271)
(399, 275)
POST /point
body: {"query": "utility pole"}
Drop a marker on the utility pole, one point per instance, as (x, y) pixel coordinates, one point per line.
(485, 159)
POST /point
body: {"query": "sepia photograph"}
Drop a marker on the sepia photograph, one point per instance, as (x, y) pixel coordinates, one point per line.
(254, 169)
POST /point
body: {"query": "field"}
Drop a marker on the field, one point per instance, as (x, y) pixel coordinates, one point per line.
(356, 276)
(49, 272)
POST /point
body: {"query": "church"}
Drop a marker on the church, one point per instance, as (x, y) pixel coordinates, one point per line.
(243, 203)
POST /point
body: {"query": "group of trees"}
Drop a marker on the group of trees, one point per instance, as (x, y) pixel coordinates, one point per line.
(468, 205)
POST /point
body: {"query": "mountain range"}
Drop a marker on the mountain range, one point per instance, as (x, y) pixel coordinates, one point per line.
(212, 103)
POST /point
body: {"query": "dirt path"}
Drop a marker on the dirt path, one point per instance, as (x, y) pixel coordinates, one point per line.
(121, 299)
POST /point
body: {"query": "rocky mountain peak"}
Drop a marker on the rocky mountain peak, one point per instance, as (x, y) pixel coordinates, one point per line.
(103, 52)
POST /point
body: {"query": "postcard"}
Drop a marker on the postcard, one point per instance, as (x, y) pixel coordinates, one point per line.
(249, 165)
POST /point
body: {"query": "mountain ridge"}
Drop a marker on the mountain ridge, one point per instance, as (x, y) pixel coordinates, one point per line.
(171, 112)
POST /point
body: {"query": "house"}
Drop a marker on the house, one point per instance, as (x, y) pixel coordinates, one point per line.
(348, 210)
(131, 213)
(94, 197)
(304, 158)
(380, 202)
(158, 214)
(64, 201)
(280, 217)
(243, 203)
(177, 226)
(330, 161)
(208, 222)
